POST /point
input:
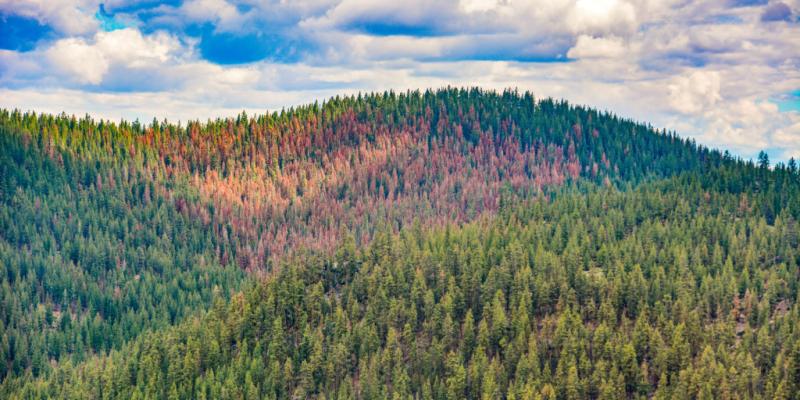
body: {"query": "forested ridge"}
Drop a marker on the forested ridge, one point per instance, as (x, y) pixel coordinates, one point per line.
(442, 244)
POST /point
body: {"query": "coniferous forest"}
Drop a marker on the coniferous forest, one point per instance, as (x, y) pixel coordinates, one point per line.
(445, 244)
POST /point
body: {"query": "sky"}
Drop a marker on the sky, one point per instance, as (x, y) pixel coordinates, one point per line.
(724, 72)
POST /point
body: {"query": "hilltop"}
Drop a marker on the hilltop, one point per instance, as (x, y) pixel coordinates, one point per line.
(392, 244)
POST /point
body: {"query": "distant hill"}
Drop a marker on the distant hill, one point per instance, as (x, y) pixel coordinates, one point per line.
(441, 244)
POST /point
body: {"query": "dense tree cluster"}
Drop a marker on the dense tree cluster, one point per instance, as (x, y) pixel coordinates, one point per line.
(85, 268)
(442, 244)
(664, 291)
(301, 177)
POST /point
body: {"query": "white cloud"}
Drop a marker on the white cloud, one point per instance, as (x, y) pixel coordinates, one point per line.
(742, 124)
(72, 17)
(602, 17)
(470, 6)
(747, 126)
(597, 47)
(89, 60)
(75, 57)
(695, 92)
(129, 46)
(224, 14)
(789, 135)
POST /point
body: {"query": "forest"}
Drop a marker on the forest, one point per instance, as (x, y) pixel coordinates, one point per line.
(445, 244)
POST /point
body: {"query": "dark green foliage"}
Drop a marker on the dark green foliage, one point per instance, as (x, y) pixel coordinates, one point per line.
(447, 244)
(87, 268)
(662, 291)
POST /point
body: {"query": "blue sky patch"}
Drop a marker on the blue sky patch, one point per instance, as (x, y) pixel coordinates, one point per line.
(233, 48)
(789, 102)
(388, 28)
(144, 5)
(749, 3)
(243, 7)
(107, 21)
(501, 55)
(21, 33)
(725, 19)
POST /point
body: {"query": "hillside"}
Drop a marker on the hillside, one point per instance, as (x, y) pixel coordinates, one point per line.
(392, 245)
(667, 291)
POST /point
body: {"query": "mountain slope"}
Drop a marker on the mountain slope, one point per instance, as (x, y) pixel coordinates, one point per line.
(110, 231)
(666, 291)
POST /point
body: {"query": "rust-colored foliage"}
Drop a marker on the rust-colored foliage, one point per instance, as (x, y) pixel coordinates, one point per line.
(395, 177)
(267, 185)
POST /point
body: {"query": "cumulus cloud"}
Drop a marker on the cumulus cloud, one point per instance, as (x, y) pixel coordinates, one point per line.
(86, 63)
(602, 17)
(470, 6)
(747, 125)
(89, 60)
(594, 47)
(224, 15)
(67, 16)
(695, 92)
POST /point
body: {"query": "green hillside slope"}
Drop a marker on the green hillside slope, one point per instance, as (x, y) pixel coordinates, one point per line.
(671, 290)
(585, 255)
